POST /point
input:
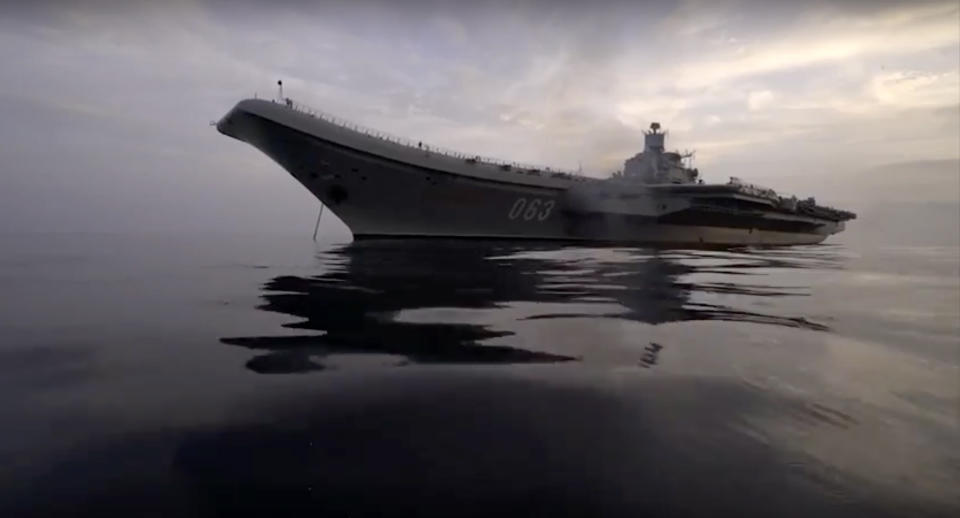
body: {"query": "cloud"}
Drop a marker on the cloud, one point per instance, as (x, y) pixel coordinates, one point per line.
(910, 89)
(759, 99)
(791, 86)
(820, 38)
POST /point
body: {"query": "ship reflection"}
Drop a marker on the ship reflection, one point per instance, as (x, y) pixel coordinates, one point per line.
(360, 300)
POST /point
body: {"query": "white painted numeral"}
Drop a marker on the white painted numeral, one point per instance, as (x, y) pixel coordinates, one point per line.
(517, 208)
(545, 211)
(534, 208)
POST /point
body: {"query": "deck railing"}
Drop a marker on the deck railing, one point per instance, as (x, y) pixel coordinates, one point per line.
(517, 167)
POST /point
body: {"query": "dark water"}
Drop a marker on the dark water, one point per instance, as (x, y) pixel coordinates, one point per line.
(150, 375)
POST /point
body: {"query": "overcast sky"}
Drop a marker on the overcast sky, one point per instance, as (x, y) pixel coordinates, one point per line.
(105, 106)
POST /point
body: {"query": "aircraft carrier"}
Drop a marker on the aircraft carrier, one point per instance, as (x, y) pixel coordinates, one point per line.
(385, 186)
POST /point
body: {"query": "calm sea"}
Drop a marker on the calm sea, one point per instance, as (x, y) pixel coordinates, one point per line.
(223, 375)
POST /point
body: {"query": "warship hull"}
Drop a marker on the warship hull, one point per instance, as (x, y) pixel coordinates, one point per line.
(384, 189)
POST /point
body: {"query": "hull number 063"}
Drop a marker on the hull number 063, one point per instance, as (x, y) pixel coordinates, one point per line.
(530, 209)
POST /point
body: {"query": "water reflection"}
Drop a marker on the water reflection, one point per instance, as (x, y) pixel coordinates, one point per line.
(361, 300)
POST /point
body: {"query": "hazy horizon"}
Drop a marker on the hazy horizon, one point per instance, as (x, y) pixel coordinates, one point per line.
(107, 106)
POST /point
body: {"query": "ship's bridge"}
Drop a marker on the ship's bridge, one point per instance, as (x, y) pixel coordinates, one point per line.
(656, 166)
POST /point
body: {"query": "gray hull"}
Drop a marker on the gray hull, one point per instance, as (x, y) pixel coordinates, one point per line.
(378, 192)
